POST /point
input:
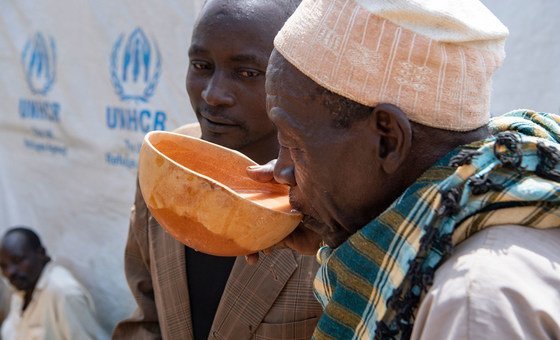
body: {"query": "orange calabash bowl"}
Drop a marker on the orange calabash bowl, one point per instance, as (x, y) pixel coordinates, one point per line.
(199, 192)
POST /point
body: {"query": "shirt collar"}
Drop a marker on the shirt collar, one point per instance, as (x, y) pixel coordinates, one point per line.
(44, 278)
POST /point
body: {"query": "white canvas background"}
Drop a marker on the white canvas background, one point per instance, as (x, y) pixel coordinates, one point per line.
(78, 201)
(55, 175)
(530, 76)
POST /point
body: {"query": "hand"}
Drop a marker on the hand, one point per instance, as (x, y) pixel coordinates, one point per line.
(262, 173)
(302, 239)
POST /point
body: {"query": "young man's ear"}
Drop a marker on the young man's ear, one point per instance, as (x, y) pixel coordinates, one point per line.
(395, 135)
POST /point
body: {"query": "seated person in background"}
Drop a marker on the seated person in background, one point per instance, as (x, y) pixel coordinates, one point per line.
(184, 294)
(49, 303)
(439, 222)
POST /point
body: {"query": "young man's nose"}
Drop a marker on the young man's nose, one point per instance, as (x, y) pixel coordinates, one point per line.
(216, 92)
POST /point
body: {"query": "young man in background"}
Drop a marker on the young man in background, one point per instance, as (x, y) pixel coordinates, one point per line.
(184, 294)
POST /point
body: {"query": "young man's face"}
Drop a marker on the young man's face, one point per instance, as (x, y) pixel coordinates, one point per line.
(333, 173)
(228, 58)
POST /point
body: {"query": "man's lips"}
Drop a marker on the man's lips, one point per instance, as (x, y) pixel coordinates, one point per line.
(215, 124)
(217, 120)
(17, 282)
(310, 216)
(295, 203)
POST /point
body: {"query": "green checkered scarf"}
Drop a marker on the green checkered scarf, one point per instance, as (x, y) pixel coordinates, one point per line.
(371, 285)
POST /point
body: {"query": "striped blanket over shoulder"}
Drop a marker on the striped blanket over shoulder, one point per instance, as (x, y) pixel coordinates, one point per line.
(371, 285)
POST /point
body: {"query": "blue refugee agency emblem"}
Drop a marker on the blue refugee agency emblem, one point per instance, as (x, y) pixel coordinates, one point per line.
(39, 63)
(135, 66)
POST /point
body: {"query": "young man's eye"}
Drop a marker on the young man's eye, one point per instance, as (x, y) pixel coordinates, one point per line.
(199, 65)
(249, 73)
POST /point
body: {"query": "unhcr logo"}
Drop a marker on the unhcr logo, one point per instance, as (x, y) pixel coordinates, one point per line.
(39, 60)
(135, 66)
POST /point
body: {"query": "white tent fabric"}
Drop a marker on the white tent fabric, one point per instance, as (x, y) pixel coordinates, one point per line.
(530, 75)
(81, 81)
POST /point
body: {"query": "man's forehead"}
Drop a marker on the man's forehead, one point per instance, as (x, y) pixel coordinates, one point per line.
(278, 68)
(241, 10)
(283, 75)
(15, 242)
(249, 55)
(248, 31)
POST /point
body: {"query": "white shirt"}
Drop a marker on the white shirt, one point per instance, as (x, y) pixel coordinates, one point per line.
(5, 297)
(60, 309)
(502, 283)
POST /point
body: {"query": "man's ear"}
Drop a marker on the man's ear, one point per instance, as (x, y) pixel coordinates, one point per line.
(395, 135)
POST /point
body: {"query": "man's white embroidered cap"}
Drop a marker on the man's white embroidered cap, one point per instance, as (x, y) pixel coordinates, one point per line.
(432, 58)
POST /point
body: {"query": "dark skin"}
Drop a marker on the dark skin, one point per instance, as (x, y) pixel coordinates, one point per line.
(342, 178)
(228, 58)
(21, 264)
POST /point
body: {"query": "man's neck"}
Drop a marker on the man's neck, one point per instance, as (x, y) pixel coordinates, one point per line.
(28, 294)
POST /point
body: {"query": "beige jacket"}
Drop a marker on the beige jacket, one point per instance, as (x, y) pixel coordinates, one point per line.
(271, 300)
(501, 283)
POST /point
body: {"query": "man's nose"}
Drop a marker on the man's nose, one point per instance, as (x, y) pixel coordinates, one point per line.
(216, 92)
(9, 271)
(284, 171)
